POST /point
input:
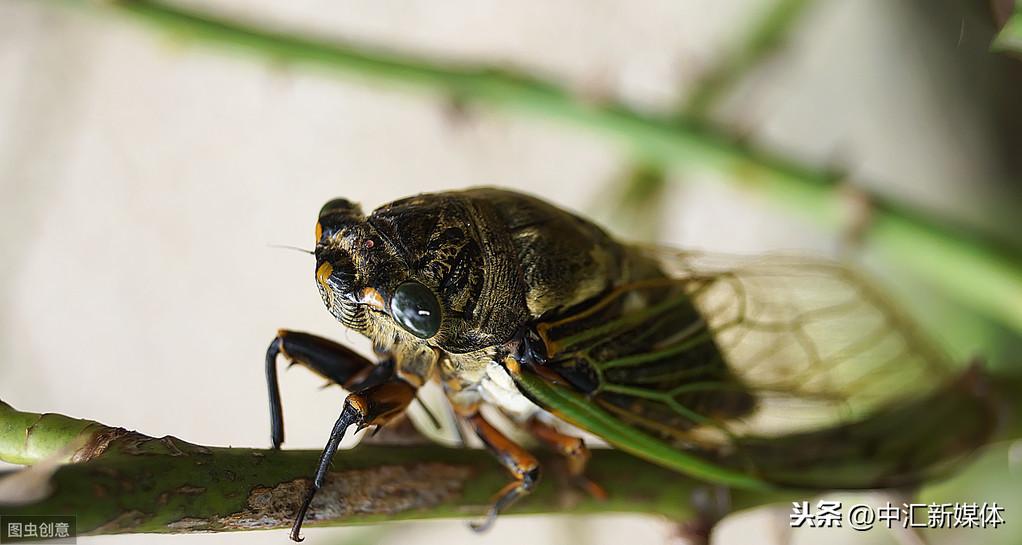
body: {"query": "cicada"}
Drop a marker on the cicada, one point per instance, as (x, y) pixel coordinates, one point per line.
(744, 372)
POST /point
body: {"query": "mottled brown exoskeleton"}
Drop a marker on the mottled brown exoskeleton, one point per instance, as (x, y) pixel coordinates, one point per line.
(508, 300)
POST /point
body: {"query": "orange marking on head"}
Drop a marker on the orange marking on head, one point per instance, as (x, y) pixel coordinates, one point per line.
(319, 231)
(372, 298)
(323, 275)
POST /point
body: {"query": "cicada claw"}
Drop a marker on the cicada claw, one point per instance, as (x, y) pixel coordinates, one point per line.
(507, 495)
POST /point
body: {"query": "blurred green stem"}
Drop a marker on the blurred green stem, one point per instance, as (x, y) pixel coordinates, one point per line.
(1010, 36)
(638, 198)
(767, 34)
(976, 272)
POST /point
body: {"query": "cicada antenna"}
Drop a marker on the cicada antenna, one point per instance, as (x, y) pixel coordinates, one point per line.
(287, 247)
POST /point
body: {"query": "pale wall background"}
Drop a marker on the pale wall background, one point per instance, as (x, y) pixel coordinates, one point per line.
(143, 178)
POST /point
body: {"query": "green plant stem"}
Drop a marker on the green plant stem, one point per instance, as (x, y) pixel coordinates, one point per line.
(972, 270)
(1010, 36)
(126, 482)
(636, 205)
(120, 481)
(763, 39)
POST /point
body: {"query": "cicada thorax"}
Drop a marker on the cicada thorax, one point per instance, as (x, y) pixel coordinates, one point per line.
(451, 244)
(644, 352)
(497, 260)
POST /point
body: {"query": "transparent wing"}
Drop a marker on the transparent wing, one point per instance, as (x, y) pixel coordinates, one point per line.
(814, 340)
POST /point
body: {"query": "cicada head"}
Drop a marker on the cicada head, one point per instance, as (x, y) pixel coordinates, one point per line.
(364, 281)
(438, 269)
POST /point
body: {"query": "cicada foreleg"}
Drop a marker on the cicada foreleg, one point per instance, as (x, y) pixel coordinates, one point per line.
(332, 361)
(373, 406)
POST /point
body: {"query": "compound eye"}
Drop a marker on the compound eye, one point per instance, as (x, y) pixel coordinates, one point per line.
(416, 309)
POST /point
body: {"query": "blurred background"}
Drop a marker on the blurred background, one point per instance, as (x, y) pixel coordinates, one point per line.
(144, 178)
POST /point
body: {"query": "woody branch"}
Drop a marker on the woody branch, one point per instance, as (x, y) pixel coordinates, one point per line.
(119, 481)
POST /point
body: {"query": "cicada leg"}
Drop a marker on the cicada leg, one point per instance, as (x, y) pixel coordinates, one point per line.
(574, 451)
(522, 465)
(373, 406)
(711, 504)
(334, 362)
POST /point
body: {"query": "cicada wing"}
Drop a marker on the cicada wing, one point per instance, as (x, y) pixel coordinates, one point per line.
(814, 339)
(850, 393)
(792, 368)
